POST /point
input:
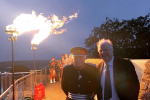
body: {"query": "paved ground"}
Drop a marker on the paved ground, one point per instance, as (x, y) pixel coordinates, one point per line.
(54, 91)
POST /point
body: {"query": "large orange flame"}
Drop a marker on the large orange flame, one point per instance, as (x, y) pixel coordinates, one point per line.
(46, 26)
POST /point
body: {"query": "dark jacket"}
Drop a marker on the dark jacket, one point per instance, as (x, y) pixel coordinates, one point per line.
(52, 65)
(71, 82)
(125, 79)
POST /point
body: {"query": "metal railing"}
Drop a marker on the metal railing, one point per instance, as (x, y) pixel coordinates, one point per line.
(42, 75)
(24, 86)
(6, 79)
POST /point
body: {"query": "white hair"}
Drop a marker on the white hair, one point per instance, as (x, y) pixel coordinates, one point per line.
(103, 41)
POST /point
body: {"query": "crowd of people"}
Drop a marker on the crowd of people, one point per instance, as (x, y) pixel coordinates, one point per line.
(56, 67)
(113, 79)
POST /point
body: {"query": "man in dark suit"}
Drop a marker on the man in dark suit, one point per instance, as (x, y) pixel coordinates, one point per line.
(117, 79)
(79, 78)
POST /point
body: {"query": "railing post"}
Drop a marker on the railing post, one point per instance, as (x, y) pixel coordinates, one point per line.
(32, 85)
(5, 82)
(45, 76)
(41, 75)
(20, 91)
(10, 81)
(47, 73)
(14, 90)
(2, 84)
(23, 87)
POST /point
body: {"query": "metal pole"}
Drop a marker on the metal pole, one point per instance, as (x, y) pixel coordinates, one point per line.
(2, 80)
(0, 84)
(34, 48)
(35, 70)
(13, 67)
(34, 59)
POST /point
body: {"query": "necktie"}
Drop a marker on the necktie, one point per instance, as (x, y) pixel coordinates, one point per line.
(107, 89)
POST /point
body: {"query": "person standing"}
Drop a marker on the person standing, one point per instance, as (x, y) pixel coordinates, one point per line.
(63, 56)
(61, 67)
(52, 67)
(66, 59)
(79, 79)
(117, 79)
(70, 59)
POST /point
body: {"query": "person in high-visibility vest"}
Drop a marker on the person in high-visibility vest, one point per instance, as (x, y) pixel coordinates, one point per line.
(52, 66)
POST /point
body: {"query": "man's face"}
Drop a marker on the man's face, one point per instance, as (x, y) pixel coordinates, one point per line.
(63, 59)
(53, 59)
(63, 56)
(78, 60)
(106, 52)
(66, 56)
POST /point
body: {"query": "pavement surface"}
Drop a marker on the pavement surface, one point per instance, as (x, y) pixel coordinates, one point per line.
(54, 91)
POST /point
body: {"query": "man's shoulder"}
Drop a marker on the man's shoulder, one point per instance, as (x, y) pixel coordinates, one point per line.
(67, 66)
(121, 60)
(91, 64)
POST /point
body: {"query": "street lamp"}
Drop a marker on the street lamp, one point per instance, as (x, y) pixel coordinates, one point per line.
(12, 30)
(34, 47)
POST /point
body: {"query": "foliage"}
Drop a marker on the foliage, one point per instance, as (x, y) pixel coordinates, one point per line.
(130, 38)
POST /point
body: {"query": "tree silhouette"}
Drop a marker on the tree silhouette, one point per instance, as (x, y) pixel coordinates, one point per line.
(130, 38)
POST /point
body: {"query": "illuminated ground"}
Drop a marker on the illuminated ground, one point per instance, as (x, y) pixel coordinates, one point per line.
(54, 92)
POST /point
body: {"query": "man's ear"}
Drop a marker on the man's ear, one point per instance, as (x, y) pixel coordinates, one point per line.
(85, 56)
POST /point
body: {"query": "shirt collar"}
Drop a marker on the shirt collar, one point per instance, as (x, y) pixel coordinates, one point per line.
(111, 62)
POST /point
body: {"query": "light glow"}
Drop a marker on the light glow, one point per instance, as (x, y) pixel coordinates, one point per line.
(45, 26)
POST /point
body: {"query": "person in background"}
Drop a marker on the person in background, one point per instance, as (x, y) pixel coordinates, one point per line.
(57, 70)
(61, 67)
(79, 79)
(52, 67)
(63, 56)
(70, 59)
(66, 59)
(117, 79)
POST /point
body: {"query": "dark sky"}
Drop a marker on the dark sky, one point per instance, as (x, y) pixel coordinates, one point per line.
(91, 14)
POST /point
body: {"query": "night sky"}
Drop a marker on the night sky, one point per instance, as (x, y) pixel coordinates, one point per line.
(91, 14)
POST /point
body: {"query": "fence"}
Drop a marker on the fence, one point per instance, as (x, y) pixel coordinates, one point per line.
(6, 79)
(24, 86)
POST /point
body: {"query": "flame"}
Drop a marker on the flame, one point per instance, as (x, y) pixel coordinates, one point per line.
(46, 26)
(75, 16)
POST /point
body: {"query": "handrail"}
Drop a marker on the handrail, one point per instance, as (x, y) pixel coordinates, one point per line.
(45, 67)
(23, 77)
(14, 73)
(40, 69)
(5, 92)
(22, 84)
